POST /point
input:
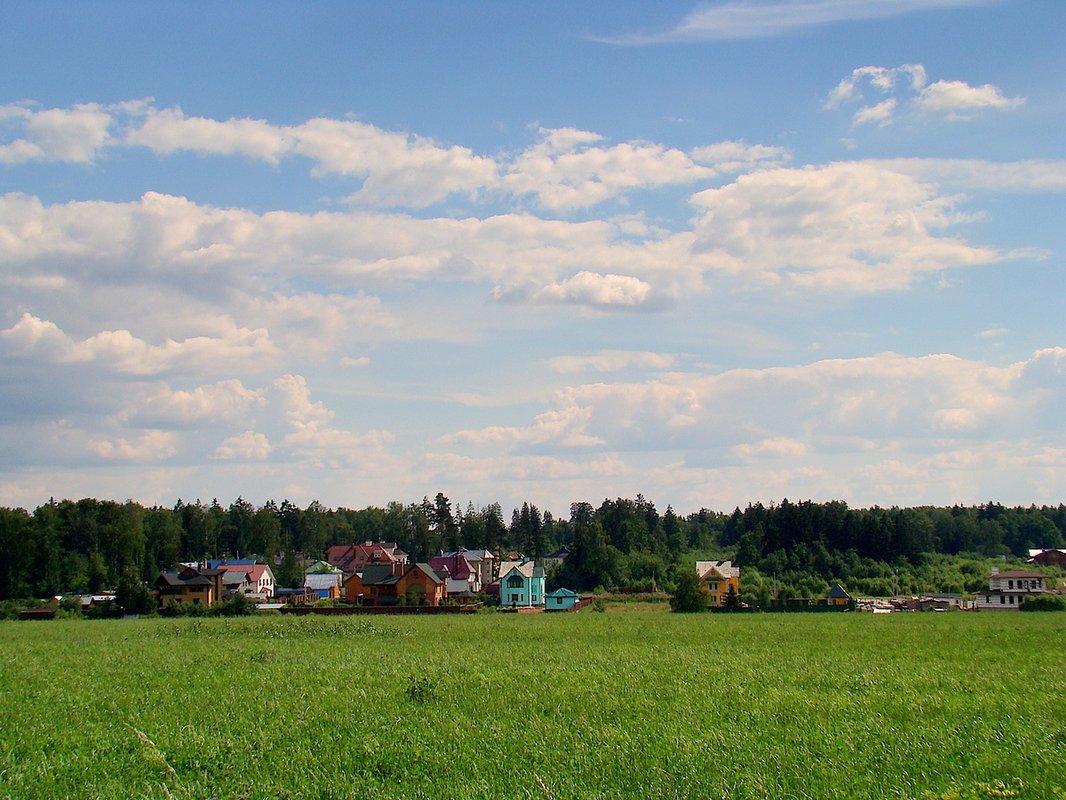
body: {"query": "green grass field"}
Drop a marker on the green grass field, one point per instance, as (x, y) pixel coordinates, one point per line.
(635, 703)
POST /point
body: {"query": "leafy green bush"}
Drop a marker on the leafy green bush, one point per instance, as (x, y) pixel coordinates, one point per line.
(237, 605)
(1044, 602)
(690, 595)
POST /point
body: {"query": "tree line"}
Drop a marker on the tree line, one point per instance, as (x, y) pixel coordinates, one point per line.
(89, 545)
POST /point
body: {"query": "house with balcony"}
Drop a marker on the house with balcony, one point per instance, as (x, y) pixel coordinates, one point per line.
(1008, 590)
(718, 578)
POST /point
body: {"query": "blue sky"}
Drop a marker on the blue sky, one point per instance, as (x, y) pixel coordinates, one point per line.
(712, 253)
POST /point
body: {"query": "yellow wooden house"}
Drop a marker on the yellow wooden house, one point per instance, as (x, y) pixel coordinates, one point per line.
(717, 577)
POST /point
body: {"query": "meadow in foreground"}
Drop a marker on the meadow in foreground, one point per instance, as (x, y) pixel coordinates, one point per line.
(641, 704)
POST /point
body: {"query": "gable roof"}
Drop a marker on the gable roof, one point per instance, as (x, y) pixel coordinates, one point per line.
(839, 591)
(427, 570)
(376, 575)
(720, 569)
(351, 557)
(222, 563)
(457, 566)
(527, 569)
(186, 577)
(322, 580)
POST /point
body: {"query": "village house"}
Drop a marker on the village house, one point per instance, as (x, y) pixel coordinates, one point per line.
(838, 596)
(324, 585)
(718, 577)
(1048, 558)
(561, 600)
(521, 585)
(422, 586)
(354, 557)
(252, 580)
(192, 585)
(1007, 590)
(374, 585)
(483, 562)
(462, 579)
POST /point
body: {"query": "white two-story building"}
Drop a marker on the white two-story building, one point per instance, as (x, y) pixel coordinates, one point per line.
(1007, 590)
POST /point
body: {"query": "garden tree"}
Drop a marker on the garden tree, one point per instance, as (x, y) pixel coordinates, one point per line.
(626, 523)
(76, 521)
(265, 533)
(690, 594)
(199, 531)
(289, 574)
(750, 546)
(122, 537)
(289, 517)
(472, 527)
(131, 595)
(16, 557)
(236, 531)
(46, 570)
(365, 525)
(581, 514)
(593, 561)
(162, 540)
(674, 536)
(313, 529)
(96, 578)
(416, 537)
(443, 524)
(527, 531)
(394, 526)
(706, 529)
(647, 571)
(732, 599)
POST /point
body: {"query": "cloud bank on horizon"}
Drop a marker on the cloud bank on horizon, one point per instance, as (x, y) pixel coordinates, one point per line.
(857, 303)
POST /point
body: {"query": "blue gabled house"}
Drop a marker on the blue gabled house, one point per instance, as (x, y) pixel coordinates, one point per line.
(522, 585)
(561, 600)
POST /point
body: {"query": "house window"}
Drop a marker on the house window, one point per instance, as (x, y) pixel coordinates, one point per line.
(1002, 600)
(514, 582)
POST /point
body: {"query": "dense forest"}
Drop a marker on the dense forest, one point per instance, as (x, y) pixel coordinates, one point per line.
(795, 549)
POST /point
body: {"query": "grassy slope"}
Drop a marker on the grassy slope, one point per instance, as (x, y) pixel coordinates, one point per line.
(636, 704)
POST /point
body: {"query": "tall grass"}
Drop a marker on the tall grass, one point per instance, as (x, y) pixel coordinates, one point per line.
(639, 704)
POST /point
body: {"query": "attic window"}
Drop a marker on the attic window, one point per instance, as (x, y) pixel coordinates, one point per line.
(514, 582)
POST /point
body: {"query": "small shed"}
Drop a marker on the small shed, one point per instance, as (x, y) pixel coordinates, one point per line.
(561, 600)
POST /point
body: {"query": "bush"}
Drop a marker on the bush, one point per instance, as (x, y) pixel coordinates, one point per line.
(690, 595)
(237, 605)
(183, 610)
(1044, 602)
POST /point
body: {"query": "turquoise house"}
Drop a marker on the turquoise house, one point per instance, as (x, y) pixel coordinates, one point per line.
(561, 600)
(522, 586)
